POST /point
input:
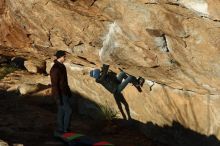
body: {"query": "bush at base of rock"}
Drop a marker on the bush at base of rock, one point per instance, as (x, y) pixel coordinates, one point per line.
(6, 69)
(4, 59)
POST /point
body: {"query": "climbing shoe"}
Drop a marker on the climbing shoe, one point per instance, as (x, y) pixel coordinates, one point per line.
(137, 85)
(141, 81)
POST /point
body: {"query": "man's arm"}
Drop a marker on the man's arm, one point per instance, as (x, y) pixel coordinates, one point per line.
(54, 74)
(69, 92)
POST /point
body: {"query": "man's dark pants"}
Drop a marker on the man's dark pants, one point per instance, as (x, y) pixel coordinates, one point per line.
(64, 115)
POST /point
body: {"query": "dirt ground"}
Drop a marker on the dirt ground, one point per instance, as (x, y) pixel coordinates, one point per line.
(30, 120)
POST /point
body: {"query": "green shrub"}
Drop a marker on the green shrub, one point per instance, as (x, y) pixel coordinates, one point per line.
(4, 70)
(107, 112)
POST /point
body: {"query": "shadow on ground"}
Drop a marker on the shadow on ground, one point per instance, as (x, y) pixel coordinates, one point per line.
(176, 135)
(31, 120)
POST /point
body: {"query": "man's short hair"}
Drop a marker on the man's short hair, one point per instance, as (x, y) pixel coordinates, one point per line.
(60, 53)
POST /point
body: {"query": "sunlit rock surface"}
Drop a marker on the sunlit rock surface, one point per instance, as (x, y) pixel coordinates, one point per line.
(173, 44)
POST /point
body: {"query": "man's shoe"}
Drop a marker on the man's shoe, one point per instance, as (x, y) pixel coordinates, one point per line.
(68, 130)
(57, 133)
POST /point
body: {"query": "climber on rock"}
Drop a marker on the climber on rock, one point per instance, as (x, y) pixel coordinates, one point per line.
(115, 83)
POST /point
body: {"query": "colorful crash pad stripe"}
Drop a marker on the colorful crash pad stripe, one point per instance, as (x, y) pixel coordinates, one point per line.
(71, 136)
(103, 143)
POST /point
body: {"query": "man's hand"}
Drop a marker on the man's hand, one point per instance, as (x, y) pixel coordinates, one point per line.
(59, 101)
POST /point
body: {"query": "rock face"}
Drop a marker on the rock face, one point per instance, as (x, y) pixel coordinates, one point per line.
(173, 44)
(2, 143)
(25, 89)
(35, 66)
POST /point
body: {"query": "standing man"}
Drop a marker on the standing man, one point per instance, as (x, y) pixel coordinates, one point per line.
(61, 91)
